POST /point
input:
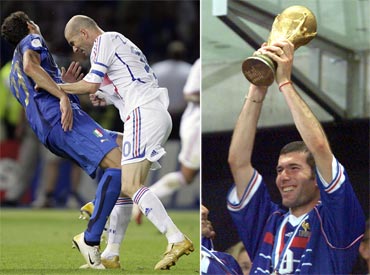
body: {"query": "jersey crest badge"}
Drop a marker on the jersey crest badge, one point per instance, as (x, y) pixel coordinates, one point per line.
(36, 43)
(306, 230)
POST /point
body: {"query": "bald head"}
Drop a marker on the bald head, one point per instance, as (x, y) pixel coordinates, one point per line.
(81, 32)
(78, 22)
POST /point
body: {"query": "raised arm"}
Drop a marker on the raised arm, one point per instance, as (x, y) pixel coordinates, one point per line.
(307, 124)
(32, 67)
(241, 148)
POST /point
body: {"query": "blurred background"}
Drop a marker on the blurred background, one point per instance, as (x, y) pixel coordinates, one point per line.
(167, 32)
(332, 73)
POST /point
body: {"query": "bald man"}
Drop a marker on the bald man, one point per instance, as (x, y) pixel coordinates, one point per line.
(121, 75)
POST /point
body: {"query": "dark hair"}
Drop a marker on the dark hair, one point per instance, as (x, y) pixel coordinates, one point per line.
(14, 27)
(300, 146)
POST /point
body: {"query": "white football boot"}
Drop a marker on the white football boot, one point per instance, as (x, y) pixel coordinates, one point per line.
(91, 254)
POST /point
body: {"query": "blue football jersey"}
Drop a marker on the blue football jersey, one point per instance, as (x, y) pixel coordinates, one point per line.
(42, 108)
(322, 241)
(88, 143)
(217, 262)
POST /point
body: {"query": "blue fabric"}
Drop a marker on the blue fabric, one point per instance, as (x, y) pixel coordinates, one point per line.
(87, 143)
(216, 262)
(107, 193)
(42, 109)
(332, 231)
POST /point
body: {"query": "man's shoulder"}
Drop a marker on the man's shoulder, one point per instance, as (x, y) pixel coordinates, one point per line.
(112, 34)
(33, 42)
(108, 38)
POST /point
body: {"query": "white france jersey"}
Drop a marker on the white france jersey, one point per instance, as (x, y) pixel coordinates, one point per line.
(117, 61)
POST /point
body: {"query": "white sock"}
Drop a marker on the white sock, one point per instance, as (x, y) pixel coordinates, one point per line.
(118, 223)
(168, 184)
(154, 210)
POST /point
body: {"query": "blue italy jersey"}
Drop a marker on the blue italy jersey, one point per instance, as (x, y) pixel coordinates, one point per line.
(42, 108)
(88, 143)
(322, 241)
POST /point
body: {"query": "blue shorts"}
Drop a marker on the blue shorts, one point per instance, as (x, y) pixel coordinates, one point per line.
(86, 144)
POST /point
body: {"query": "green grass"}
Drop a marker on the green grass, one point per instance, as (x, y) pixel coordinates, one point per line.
(39, 242)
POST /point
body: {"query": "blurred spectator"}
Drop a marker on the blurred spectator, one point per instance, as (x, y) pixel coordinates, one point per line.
(10, 109)
(172, 74)
(10, 117)
(46, 195)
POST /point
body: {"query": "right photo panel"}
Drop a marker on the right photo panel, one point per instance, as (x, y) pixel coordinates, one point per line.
(285, 109)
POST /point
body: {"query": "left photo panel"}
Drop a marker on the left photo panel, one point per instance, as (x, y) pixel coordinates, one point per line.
(100, 137)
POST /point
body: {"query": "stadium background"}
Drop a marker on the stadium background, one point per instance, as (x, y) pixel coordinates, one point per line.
(151, 25)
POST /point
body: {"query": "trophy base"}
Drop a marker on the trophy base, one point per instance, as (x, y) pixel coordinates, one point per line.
(259, 70)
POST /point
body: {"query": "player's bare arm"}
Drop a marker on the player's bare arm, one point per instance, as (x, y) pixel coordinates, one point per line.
(307, 124)
(80, 87)
(32, 67)
(240, 151)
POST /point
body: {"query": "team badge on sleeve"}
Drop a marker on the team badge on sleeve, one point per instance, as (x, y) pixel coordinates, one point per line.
(36, 43)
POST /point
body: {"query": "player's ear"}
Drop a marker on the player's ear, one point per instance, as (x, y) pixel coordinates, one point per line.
(84, 33)
(30, 26)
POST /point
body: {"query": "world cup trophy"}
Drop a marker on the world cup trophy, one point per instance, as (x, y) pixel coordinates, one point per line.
(296, 24)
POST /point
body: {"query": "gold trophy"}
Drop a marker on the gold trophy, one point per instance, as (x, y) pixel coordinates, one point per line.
(296, 24)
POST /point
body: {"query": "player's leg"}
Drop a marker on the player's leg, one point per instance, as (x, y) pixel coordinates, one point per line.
(91, 146)
(189, 157)
(145, 132)
(106, 195)
(118, 222)
(154, 210)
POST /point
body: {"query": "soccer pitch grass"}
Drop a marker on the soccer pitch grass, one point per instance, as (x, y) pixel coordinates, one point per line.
(40, 242)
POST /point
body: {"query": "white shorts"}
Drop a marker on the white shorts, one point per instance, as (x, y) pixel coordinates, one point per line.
(146, 130)
(190, 137)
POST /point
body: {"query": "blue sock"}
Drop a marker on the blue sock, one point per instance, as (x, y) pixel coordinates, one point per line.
(109, 188)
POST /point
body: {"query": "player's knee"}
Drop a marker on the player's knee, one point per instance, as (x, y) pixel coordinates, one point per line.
(112, 159)
(129, 188)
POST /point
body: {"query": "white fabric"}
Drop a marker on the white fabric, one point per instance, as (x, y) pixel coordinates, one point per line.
(118, 222)
(190, 137)
(193, 82)
(154, 210)
(146, 130)
(190, 122)
(116, 60)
